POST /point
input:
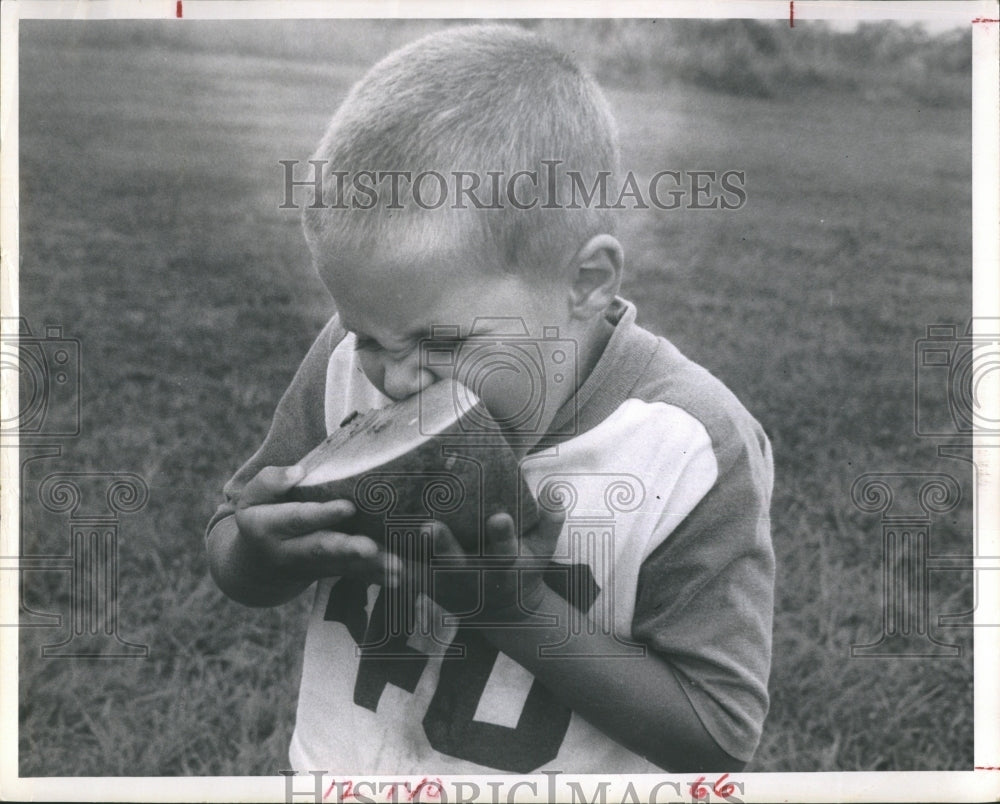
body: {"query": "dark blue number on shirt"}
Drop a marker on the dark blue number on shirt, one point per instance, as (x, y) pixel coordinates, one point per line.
(449, 725)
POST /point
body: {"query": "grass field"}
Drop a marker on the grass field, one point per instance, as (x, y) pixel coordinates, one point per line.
(150, 231)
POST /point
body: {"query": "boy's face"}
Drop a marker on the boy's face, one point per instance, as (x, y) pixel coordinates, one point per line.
(511, 339)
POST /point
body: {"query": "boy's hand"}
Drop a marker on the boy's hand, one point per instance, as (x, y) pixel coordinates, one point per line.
(300, 541)
(501, 586)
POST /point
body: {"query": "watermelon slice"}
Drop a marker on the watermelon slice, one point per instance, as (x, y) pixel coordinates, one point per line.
(436, 455)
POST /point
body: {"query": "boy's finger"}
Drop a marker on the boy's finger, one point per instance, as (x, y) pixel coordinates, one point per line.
(501, 535)
(544, 537)
(443, 541)
(270, 485)
(550, 523)
(331, 553)
(289, 520)
(392, 569)
(295, 519)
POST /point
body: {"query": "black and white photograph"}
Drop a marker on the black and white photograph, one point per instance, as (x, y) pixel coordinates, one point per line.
(444, 402)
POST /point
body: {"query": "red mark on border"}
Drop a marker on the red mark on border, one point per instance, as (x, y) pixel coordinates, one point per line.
(348, 786)
(988, 767)
(180, 9)
(791, 13)
(983, 19)
(700, 791)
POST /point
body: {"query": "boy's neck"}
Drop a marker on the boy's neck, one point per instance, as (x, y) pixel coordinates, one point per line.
(591, 343)
(592, 348)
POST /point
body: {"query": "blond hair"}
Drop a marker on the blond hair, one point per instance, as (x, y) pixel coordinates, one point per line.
(470, 99)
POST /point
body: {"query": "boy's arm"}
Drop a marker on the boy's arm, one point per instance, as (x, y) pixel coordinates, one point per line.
(697, 699)
(238, 572)
(297, 426)
(705, 598)
(640, 702)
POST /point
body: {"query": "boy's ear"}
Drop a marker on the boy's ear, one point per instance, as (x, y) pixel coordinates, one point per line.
(596, 276)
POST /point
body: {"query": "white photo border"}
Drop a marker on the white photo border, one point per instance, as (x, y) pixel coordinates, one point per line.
(980, 784)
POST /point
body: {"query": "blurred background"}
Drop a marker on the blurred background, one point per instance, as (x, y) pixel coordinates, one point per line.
(151, 234)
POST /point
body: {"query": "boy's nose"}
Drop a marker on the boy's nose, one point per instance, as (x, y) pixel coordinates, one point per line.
(403, 378)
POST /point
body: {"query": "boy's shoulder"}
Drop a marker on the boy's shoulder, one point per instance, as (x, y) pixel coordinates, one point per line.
(676, 380)
(640, 368)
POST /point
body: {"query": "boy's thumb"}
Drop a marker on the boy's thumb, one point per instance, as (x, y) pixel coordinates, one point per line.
(269, 485)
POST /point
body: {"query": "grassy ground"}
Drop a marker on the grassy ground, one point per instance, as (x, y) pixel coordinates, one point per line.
(150, 231)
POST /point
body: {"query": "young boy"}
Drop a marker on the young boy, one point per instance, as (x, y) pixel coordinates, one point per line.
(628, 631)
